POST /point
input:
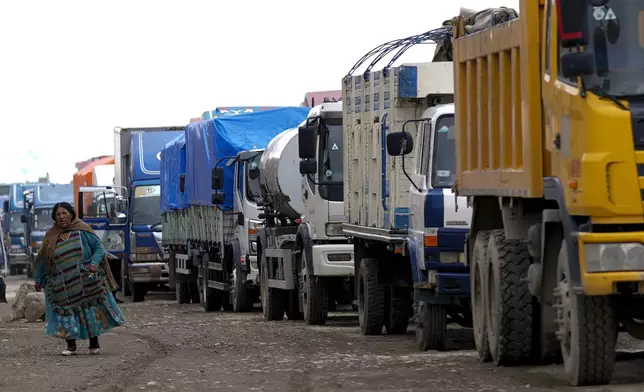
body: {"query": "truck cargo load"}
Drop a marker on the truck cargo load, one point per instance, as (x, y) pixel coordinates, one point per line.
(227, 136)
(195, 229)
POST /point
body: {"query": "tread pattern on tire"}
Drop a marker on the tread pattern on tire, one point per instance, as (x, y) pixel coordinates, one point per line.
(597, 332)
(183, 292)
(240, 302)
(397, 311)
(275, 298)
(431, 328)
(317, 306)
(515, 335)
(372, 314)
(480, 245)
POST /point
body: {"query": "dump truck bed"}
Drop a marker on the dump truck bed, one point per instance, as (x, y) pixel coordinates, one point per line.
(498, 107)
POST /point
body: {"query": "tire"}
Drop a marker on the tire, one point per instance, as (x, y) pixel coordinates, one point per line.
(589, 353)
(273, 300)
(210, 298)
(478, 281)
(314, 292)
(138, 292)
(371, 298)
(183, 291)
(293, 307)
(30, 270)
(509, 334)
(125, 284)
(240, 294)
(431, 326)
(397, 318)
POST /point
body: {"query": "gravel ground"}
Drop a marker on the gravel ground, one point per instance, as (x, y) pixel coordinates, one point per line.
(170, 347)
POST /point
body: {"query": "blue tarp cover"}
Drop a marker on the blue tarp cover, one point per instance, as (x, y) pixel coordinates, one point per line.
(172, 156)
(210, 140)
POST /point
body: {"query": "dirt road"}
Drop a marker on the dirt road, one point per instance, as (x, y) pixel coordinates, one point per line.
(170, 347)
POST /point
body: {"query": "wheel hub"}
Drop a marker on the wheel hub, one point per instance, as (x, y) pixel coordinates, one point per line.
(563, 309)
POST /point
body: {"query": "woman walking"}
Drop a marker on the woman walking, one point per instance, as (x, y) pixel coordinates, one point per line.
(77, 281)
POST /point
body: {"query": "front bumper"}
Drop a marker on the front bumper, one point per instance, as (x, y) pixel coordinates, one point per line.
(155, 272)
(333, 260)
(601, 271)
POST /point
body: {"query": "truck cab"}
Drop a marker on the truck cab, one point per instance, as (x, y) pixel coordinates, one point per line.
(16, 229)
(39, 215)
(321, 148)
(137, 168)
(246, 195)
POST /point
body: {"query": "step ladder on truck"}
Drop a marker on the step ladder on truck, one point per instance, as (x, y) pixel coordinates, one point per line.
(407, 226)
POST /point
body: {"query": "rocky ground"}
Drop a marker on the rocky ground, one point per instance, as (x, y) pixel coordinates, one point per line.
(170, 347)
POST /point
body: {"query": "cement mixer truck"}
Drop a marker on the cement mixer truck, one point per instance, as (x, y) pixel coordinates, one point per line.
(306, 264)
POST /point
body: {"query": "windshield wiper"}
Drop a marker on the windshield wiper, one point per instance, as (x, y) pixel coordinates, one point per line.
(603, 94)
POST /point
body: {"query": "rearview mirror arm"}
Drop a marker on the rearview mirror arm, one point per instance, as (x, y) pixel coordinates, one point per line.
(403, 147)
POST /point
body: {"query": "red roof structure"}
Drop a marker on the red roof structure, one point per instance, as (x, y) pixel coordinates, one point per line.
(317, 97)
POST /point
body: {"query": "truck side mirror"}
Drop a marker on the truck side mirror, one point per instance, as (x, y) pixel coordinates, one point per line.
(182, 183)
(306, 135)
(217, 179)
(240, 219)
(577, 64)
(218, 198)
(308, 166)
(5, 205)
(573, 22)
(253, 173)
(399, 143)
(23, 219)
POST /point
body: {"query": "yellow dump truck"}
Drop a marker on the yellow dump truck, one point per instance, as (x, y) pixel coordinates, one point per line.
(550, 153)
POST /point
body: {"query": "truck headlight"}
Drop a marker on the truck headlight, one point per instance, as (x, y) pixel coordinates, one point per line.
(614, 257)
(333, 229)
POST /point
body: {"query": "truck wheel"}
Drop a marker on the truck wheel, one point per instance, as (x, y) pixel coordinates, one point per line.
(431, 326)
(138, 292)
(293, 307)
(314, 292)
(371, 298)
(509, 313)
(210, 298)
(183, 292)
(240, 294)
(272, 299)
(587, 330)
(478, 279)
(397, 320)
(125, 285)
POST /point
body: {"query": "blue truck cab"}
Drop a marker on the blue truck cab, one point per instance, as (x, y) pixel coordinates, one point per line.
(137, 169)
(38, 216)
(15, 229)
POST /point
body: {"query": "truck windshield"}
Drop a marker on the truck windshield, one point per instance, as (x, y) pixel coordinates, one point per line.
(147, 205)
(331, 167)
(55, 194)
(42, 219)
(15, 226)
(444, 157)
(617, 40)
(252, 186)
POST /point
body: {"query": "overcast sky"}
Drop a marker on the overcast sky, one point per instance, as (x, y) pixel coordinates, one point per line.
(72, 70)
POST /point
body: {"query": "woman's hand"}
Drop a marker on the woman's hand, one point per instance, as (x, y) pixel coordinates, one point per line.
(93, 268)
(38, 287)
